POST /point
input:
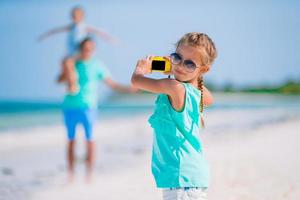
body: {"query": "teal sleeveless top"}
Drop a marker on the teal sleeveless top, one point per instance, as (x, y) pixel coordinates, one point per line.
(177, 156)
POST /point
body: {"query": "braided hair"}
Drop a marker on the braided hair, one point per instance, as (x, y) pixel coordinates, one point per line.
(201, 105)
(207, 53)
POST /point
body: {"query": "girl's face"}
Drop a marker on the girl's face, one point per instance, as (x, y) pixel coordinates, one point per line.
(188, 55)
(87, 50)
(77, 15)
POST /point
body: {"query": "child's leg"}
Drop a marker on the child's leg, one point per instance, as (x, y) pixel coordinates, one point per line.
(62, 76)
(68, 74)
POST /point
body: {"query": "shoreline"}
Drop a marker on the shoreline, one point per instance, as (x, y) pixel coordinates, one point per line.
(14, 123)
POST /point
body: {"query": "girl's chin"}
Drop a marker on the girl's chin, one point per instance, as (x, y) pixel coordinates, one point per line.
(180, 78)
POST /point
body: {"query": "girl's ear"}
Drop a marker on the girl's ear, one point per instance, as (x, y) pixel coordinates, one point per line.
(204, 69)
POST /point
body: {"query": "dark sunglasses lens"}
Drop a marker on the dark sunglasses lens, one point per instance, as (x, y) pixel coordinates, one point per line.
(189, 65)
(175, 58)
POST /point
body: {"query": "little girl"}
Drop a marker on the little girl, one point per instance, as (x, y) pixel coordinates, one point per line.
(178, 163)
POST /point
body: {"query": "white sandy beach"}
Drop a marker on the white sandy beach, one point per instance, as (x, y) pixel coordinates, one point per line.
(256, 161)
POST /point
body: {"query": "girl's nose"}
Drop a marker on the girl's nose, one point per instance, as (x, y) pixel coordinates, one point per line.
(180, 66)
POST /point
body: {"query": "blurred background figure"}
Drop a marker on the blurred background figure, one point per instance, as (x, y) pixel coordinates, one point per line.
(77, 31)
(81, 108)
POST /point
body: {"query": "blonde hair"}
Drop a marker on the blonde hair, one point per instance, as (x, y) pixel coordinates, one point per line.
(208, 53)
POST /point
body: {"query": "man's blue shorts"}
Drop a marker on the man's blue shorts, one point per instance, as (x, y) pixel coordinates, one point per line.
(86, 117)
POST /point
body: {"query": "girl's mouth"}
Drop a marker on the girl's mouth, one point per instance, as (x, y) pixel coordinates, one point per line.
(179, 72)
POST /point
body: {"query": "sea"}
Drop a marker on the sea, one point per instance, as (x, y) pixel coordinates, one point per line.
(26, 114)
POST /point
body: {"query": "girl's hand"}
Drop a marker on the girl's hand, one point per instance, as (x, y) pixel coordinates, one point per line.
(171, 87)
(143, 66)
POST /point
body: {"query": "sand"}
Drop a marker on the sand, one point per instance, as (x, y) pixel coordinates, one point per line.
(247, 162)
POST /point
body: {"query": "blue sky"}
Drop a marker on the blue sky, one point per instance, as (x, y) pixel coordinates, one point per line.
(258, 41)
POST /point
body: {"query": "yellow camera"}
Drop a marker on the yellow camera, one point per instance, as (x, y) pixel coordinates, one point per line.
(160, 64)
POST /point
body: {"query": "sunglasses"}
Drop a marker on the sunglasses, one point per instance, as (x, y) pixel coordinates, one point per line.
(188, 65)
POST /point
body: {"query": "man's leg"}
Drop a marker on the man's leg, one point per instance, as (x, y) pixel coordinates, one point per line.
(71, 158)
(70, 122)
(90, 117)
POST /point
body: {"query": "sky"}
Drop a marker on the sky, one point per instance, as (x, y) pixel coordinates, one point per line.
(257, 41)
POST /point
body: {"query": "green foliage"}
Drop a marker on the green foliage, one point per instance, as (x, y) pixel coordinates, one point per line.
(290, 87)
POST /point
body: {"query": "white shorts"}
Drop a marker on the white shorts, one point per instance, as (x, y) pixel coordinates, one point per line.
(184, 194)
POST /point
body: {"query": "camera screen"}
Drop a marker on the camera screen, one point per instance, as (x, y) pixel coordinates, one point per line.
(158, 65)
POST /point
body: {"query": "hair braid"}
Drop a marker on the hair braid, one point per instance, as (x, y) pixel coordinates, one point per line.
(207, 55)
(201, 104)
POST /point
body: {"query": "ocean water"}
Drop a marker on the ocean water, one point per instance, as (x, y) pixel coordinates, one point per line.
(253, 109)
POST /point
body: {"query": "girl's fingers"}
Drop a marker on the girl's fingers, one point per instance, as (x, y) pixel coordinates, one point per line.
(149, 57)
(168, 73)
(167, 58)
(138, 62)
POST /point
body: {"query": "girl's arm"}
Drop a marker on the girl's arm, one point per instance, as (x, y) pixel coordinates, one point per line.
(102, 34)
(118, 87)
(170, 87)
(208, 98)
(53, 32)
